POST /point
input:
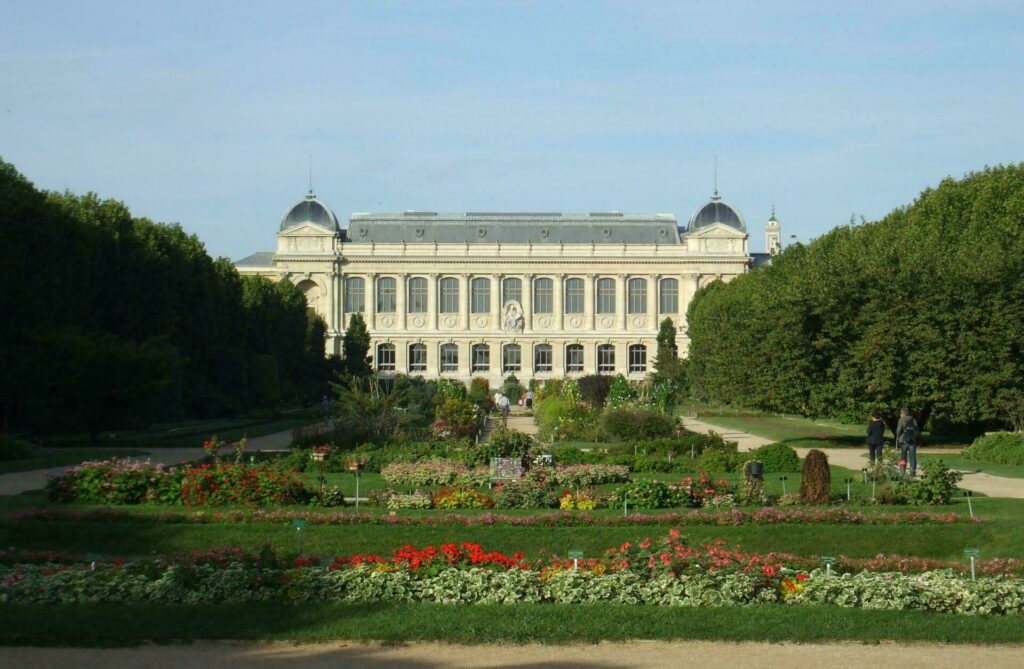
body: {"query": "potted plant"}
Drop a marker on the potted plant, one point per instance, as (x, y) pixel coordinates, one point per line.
(755, 469)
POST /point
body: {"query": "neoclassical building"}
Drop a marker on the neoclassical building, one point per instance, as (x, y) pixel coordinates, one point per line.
(540, 295)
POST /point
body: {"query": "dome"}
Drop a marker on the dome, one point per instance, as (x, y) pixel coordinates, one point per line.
(310, 210)
(716, 211)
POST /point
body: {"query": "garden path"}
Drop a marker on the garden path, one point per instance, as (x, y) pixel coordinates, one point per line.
(19, 482)
(856, 459)
(713, 655)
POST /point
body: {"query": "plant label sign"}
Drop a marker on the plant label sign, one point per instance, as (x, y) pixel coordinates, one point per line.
(828, 559)
(506, 469)
(576, 555)
(971, 552)
(299, 524)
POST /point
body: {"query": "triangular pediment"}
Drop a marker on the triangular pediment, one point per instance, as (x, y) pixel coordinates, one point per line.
(717, 231)
(305, 230)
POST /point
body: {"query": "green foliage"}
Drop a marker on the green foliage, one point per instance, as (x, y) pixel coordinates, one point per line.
(512, 389)
(714, 462)
(356, 345)
(648, 494)
(594, 389)
(937, 486)
(15, 449)
(1005, 448)
(449, 389)
(777, 458)
(376, 410)
(621, 392)
(624, 423)
(529, 492)
(480, 393)
(455, 418)
(920, 309)
(815, 485)
(505, 443)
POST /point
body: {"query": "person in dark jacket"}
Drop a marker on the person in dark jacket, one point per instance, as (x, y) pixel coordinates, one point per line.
(876, 429)
(907, 432)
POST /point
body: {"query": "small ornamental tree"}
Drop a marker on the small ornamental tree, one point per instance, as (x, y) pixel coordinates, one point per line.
(620, 392)
(357, 346)
(817, 480)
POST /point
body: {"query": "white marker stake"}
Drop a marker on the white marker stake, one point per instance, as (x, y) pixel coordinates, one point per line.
(972, 566)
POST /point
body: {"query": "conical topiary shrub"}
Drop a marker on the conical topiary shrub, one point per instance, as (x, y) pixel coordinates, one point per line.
(817, 481)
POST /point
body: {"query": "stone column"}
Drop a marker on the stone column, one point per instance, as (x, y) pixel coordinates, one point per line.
(370, 300)
(464, 300)
(528, 303)
(559, 282)
(653, 293)
(401, 356)
(432, 310)
(620, 302)
(496, 301)
(588, 302)
(558, 359)
(401, 286)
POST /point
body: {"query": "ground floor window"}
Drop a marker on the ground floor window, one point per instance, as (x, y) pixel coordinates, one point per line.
(481, 358)
(606, 359)
(385, 357)
(511, 358)
(637, 359)
(573, 358)
(417, 358)
(449, 358)
(542, 358)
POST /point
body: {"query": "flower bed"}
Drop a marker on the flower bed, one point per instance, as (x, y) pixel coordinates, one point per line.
(584, 476)
(734, 517)
(433, 472)
(666, 573)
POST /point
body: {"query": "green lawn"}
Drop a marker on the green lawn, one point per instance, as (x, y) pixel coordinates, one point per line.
(134, 624)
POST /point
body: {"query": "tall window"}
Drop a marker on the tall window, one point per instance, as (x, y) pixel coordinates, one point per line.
(573, 358)
(481, 358)
(542, 358)
(511, 358)
(385, 357)
(355, 295)
(511, 289)
(449, 298)
(574, 296)
(636, 300)
(637, 359)
(668, 296)
(417, 358)
(480, 293)
(543, 290)
(605, 296)
(386, 293)
(449, 358)
(417, 299)
(606, 359)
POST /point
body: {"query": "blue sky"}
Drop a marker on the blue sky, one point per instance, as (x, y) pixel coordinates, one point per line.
(205, 113)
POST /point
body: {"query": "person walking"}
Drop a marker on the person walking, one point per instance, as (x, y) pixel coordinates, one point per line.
(876, 429)
(907, 432)
(504, 406)
(529, 399)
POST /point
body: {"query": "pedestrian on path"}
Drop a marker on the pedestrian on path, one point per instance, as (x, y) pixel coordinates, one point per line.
(907, 432)
(504, 406)
(876, 430)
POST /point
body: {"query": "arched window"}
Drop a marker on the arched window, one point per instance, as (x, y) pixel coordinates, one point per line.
(542, 358)
(481, 358)
(637, 359)
(543, 290)
(574, 296)
(605, 296)
(573, 358)
(417, 358)
(636, 296)
(668, 296)
(480, 296)
(511, 358)
(386, 293)
(417, 302)
(385, 357)
(449, 298)
(511, 289)
(606, 359)
(449, 358)
(355, 295)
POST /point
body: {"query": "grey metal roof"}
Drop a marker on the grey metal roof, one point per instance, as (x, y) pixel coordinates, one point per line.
(258, 259)
(310, 210)
(425, 227)
(716, 211)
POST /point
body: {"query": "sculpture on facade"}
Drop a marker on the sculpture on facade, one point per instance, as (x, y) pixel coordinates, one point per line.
(514, 321)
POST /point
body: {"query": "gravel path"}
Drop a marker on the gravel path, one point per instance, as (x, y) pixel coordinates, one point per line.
(856, 459)
(712, 655)
(19, 482)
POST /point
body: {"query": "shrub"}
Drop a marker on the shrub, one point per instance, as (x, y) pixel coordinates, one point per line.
(117, 482)
(623, 423)
(415, 500)
(434, 472)
(697, 492)
(261, 485)
(641, 494)
(525, 493)
(714, 461)
(580, 476)
(456, 417)
(506, 443)
(15, 449)
(1004, 448)
(651, 463)
(778, 458)
(512, 389)
(573, 455)
(581, 500)
(594, 389)
(620, 392)
(461, 499)
(938, 485)
(815, 488)
(480, 394)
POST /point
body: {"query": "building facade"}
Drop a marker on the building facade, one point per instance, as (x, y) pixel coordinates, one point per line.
(538, 295)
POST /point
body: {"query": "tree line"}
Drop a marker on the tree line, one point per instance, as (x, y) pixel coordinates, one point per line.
(112, 321)
(923, 308)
